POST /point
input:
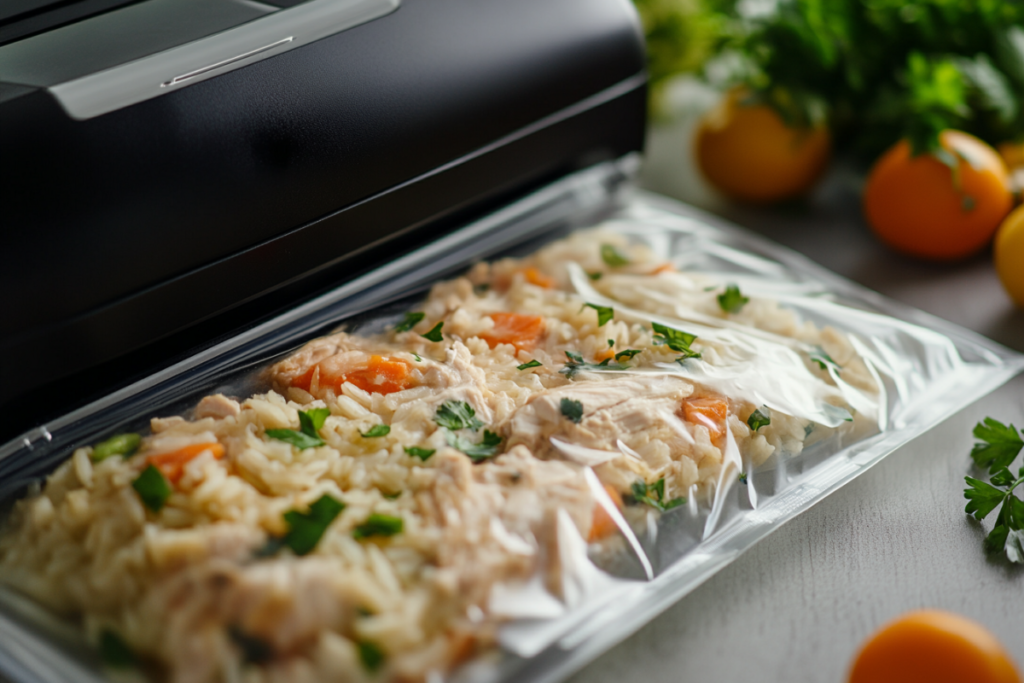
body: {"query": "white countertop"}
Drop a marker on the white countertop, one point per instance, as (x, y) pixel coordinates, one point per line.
(797, 606)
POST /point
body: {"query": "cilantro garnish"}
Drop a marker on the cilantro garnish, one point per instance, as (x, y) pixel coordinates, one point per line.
(119, 444)
(611, 343)
(310, 422)
(576, 363)
(743, 478)
(532, 364)
(731, 300)
(417, 357)
(677, 340)
(435, 333)
(1000, 444)
(604, 313)
(612, 256)
(654, 495)
(457, 415)
(627, 354)
(572, 410)
(376, 431)
(370, 655)
(596, 275)
(153, 488)
(378, 525)
(417, 452)
(823, 360)
(114, 652)
(487, 448)
(306, 528)
(410, 321)
(761, 417)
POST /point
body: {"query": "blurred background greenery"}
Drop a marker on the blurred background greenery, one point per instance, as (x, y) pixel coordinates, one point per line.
(875, 71)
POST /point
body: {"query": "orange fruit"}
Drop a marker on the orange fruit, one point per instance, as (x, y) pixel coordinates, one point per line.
(920, 206)
(749, 153)
(1009, 255)
(932, 646)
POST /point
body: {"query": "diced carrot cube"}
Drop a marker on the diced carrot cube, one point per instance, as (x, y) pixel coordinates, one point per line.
(604, 355)
(602, 525)
(535, 277)
(172, 464)
(521, 330)
(380, 376)
(709, 412)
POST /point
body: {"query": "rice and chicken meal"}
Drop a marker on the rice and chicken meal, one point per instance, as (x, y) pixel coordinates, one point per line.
(368, 516)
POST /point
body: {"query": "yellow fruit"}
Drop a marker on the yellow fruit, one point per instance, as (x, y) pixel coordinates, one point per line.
(747, 152)
(919, 206)
(931, 646)
(1009, 255)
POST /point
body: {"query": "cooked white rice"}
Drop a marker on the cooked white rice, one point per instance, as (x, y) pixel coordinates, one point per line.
(188, 589)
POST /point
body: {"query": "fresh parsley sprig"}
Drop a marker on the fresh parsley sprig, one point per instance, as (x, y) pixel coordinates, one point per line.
(572, 410)
(306, 528)
(999, 447)
(532, 364)
(761, 417)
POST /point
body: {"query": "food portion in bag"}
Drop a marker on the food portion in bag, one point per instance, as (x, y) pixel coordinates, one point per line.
(391, 499)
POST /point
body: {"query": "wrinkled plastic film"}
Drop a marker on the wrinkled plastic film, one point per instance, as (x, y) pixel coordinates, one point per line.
(924, 370)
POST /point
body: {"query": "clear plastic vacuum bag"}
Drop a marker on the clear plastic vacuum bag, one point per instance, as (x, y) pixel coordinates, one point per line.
(448, 471)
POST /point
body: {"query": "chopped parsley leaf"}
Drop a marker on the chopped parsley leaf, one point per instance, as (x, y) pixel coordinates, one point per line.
(572, 410)
(477, 452)
(435, 333)
(743, 478)
(296, 438)
(596, 275)
(310, 421)
(417, 357)
(370, 655)
(376, 431)
(654, 495)
(761, 417)
(114, 652)
(612, 256)
(808, 428)
(824, 361)
(677, 340)
(731, 300)
(410, 321)
(417, 452)
(481, 288)
(306, 528)
(604, 314)
(576, 363)
(378, 525)
(119, 444)
(611, 343)
(153, 488)
(999, 444)
(457, 415)
(392, 496)
(627, 354)
(307, 436)
(532, 364)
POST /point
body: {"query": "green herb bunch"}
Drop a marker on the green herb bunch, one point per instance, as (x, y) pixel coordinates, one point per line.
(876, 70)
(998, 447)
